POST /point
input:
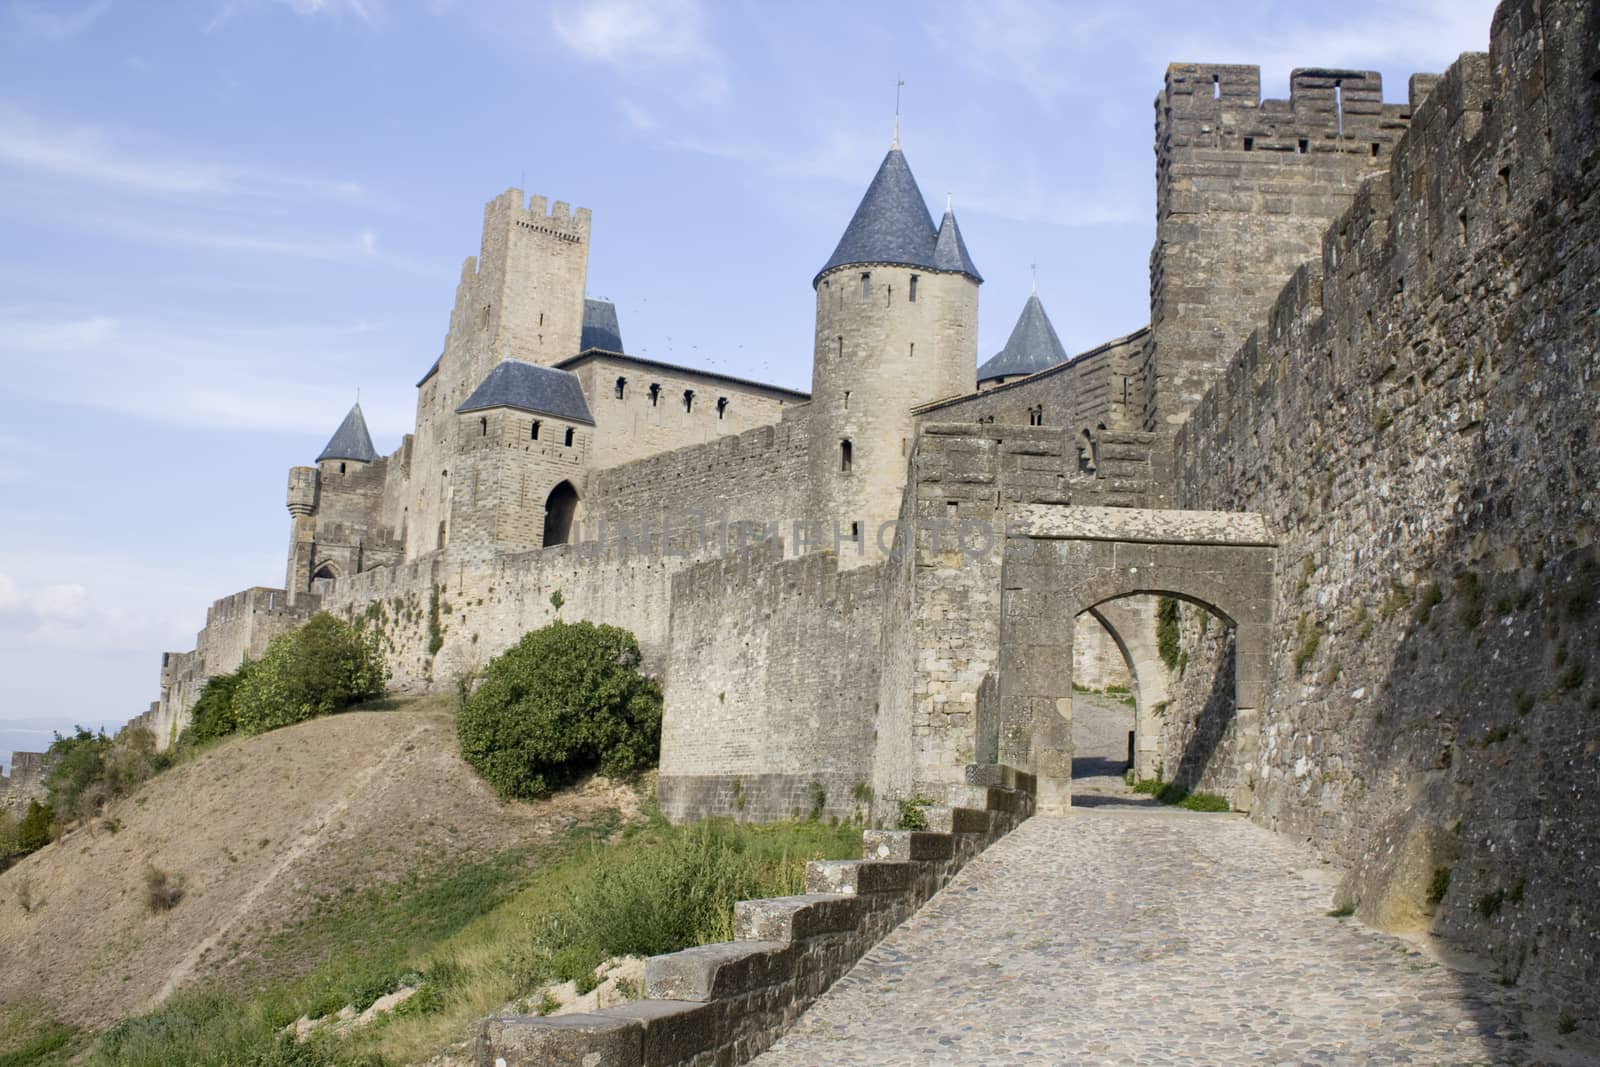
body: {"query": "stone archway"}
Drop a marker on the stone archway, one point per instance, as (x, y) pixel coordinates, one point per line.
(560, 508)
(1060, 562)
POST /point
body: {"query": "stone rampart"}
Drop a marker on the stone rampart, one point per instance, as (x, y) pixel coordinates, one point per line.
(1417, 419)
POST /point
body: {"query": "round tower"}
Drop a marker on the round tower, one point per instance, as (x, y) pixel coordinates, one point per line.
(897, 326)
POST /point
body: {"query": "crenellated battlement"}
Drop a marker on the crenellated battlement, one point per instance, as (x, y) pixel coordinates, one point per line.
(1217, 105)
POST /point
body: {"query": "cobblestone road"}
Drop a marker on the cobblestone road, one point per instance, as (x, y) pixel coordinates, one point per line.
(1145, 935)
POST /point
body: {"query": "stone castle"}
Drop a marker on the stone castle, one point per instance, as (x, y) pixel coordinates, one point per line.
(1356, 442)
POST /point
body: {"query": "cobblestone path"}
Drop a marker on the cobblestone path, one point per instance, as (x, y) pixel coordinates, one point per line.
(1146, 935)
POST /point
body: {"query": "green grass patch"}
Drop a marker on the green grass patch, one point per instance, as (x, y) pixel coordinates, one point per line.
(473, 939)
(1179, 796)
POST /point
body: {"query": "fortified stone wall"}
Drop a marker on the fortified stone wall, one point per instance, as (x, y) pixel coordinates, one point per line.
(753, 477)
(652, 414)
(25, 783)
(237, 626)
(1417, 421)
(1244, 189)
(772, 683)
(1097, 388)
(506, 464)
(939, 699)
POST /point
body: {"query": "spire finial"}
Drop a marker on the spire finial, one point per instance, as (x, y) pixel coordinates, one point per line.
(1035, 268)
(948, 200)
(899, 82)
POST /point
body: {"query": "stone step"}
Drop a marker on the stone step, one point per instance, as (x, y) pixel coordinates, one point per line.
(957, 820)
(796, 918)
(856, 877)
(712, 972)
(906, 845)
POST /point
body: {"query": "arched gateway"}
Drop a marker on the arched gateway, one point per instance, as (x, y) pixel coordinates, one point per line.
(1060, 562)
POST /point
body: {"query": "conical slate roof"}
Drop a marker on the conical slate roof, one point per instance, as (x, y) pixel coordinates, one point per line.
(1032, 347)
(950, 251)
(351, 440)
(892, 225)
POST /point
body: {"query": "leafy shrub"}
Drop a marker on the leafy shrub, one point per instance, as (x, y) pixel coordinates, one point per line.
(34, 832)
(323, 667)
(566, 700)
(913, 813)
(213, 715)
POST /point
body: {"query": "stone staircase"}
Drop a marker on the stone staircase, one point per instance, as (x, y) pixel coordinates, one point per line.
(725, 1003)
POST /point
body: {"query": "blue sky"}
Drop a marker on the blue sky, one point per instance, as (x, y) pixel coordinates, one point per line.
(220, 218)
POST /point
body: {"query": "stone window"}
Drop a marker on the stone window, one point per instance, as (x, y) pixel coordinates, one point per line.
(912, 353)
(570, 432)
(622, 388)
(866, 284)
(341, 467)
(688, 400)
(847, 400)
(911, 292)
(855, 531)
(533, 431)
(846, 456)
(1036, 415)
(655, 393)
(1249, 144)
(1301, 146)
(841, 347)
(722, 406)
(483, 426)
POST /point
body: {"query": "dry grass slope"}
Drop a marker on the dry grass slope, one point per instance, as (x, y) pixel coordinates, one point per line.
(262, 831)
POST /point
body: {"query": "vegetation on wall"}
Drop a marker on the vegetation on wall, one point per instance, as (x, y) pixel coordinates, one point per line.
(1167, 637)
(566, 700)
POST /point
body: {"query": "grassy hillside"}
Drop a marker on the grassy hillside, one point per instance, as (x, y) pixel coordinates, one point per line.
(329, 863)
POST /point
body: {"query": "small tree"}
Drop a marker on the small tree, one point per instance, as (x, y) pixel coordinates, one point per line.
(34, 831)
(323, 667)
(213, 715)
(566, 700)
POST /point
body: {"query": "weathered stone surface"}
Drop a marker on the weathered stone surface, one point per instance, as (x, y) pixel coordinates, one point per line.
(560, 1041)
(784, 919)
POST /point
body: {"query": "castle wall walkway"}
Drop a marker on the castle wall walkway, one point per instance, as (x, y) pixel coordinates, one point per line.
(1126, 933)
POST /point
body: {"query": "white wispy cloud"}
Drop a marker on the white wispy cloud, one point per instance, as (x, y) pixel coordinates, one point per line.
(55, 21)
(280, 378)
(90, 153)
(664, 43)
(369, 11)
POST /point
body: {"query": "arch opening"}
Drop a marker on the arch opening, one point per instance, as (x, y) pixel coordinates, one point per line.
(560, 508)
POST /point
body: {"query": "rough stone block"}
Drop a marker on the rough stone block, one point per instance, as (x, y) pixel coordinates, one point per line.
(853, 877)
(906, 845)
(675, 1031)
(560, 1041)
(709, 972)
(794, 918)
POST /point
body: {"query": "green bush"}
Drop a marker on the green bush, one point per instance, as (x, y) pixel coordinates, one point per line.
(323, 667)
(213, 715)
(35, 830)
(914, 813)
(87, 771)
(566, 700)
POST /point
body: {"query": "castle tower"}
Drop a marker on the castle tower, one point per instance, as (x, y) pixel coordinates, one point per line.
(531, 278)
(897, 326)
(328, 504)
(1032, 347)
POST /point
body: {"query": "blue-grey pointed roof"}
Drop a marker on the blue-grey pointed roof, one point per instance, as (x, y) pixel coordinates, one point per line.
(351, 440)
(892, 225)
(1032, 347)
(600, 329)
(530, 387)
(950, 251)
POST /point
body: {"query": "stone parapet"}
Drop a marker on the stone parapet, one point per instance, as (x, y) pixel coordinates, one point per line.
(725, 1003)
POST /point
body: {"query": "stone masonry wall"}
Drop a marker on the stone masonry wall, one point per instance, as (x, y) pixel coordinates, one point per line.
(1096, 388)
(772, 683)
(938, 698)
(1418, 421)
(1244, 189)
(632, 426)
